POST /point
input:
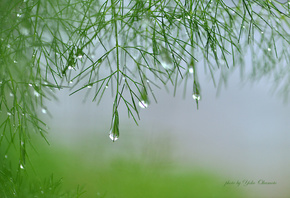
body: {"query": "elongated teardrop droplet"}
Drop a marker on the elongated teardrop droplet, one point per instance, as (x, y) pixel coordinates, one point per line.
(144, 101)
(166, 60)
(114, 133)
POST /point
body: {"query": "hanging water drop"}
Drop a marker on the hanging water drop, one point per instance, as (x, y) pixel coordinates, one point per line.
(114, 132)
(190, 70)
(166, 60)
(8, 113)
(36, 93)
(106, 86)
(21, 166)
(15, 61)
(19, 15)
(70, 68)
(70, 82)
(196, 96)
(89, 86)
(113, 136)
(30, 85)
(143, 104)
(6, 156)
(269, 49)
(80, 53)
(43, 110)
(11, 94)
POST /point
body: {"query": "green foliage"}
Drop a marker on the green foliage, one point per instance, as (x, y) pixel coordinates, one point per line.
(131, 47)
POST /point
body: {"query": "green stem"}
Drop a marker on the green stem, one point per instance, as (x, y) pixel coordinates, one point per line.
(117, 46)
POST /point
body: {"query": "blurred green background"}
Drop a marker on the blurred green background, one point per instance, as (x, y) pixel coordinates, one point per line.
(123, 170)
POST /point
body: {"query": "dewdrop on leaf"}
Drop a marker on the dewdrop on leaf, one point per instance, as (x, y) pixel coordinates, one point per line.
(144, 102)
(114, 132)
(166, 60)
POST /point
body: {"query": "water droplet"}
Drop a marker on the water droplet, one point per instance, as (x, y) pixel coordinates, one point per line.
(114, 133)
(30, 85)
(262, 32)
(167, 64)
(24, 1)
(43, 111)
(21, 166)
(8, 45)
(188, 17)
(42, 192)
(70, 82)
(70, 67)
(8, 113)
(36, 93)
(106, 86)
(143, 104)
(269, 49)
(11, 94)
(244, 27)
(15, 61)
(113, 136)
(79, 53)
(22, 143)
(19, 15)
(89, 86)
(6, 156)
(190, 70)
(0, 82)
(166, 61)
(196, 96)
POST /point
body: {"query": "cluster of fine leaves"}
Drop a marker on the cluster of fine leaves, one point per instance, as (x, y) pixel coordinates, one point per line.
(128, 48)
